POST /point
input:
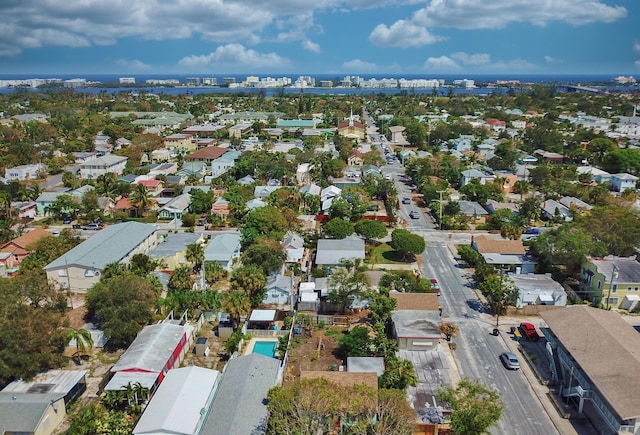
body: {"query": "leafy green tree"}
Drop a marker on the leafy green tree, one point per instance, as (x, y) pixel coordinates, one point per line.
(406, 243)
(355, 343)
(381, 306)
(64, 204)
(398, 374)
(529, 209)
(475, 407)
(338, 228)
(201, 201)
(521, 187)
(181, 278)
(500, 293)
(266, 254)
(346, 283)
(470, 255)
(141, 198)
(69, 180)
(371, 229)
(123, 305)
(264, 221)
(142, 264)
(47, 249)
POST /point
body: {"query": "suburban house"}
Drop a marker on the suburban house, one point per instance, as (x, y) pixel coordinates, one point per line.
(161, 155)
(180, 142)
(39, 406)
(293, 245)
(310, 189)
(303, 173)
(552, 209)
(397, 135)
(240, 402)
(263, 192)
(308, 297)
(255, 203)
(154, 187)
(538, 289)
(171, 252)
(574, 204)
(14, 251)
(24, 209)
(108, 164)
(493, 205)
(221, 208)
(597, 175)
(474, 210)
(175, 208)
(157, 349)
(612, 281)
(225, 162)
(472, 174)
(330, 252)
(249, 117)
(548, 156)
(176, 406)
(223, 248)
(84, 156)
(24, 172)
(102, 144)
(193, 169)
(503, 253)
(203, 130)
(595, 354)
(622, 182)
(156, 169)
(365, 364)
(279, 290)
(416, 329)
(80, 268)
(239, 130)
(247, 180)
(206, 155)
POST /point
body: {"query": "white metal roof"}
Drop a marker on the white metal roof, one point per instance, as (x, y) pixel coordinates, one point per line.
(262, 316)
(176, 407)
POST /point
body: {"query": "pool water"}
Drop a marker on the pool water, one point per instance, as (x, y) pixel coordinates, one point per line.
(266, 348)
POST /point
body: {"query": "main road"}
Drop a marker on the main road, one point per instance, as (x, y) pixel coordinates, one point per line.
(477, 350)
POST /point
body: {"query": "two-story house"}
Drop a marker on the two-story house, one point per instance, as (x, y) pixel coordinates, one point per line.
(612, 281)
(109, 163)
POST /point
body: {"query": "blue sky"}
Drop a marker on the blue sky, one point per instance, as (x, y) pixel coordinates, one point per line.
(427, 37)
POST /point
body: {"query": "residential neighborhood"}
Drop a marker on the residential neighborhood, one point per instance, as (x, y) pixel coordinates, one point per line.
(193, 264)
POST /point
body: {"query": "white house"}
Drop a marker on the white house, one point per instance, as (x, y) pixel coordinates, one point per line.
(538, 289)
(279, 290)
(224, 249)
(623, 181)
(103, 165)
(24, 172)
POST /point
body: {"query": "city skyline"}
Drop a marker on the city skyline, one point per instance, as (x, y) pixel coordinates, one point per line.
(325, 37)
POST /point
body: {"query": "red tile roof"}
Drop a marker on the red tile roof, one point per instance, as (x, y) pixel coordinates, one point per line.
(208, 153)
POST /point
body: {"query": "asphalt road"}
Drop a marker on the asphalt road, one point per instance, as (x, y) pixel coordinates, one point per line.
(477, 351)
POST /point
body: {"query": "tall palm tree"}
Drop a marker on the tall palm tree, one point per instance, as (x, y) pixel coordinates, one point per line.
(140, 197)
(195, 255)
(83, 339)
(236, 304)
(106, 185)
(521, 187)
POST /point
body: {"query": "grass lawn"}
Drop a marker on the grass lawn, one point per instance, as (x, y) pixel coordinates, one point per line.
(382, 254)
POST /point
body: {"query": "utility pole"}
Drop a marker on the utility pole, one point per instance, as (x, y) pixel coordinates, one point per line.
(440, 220)
(614, 274)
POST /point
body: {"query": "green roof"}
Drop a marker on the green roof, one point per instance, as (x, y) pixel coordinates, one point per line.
(298, 123)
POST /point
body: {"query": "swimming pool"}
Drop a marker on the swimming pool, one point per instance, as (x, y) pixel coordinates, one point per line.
(266, 348)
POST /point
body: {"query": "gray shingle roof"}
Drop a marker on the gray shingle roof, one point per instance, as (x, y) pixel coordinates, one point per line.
(173, 243)
(222, 247)
(109, 245)
(240, 403)
(331, 251)
(25, 412)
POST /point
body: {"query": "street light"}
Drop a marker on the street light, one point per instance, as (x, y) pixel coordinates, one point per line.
(614, 274)
(440, 220)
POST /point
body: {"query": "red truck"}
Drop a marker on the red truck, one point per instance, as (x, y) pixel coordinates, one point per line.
(529, 331)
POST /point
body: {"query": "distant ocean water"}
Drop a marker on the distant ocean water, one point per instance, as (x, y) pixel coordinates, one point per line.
(604, 80)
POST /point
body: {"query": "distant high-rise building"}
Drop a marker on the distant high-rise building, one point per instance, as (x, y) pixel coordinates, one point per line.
(127, 80)
(194, 81)
(228, 80)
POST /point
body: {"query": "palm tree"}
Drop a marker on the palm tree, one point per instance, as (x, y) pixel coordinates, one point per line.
(195, 255)
(181, 279)
(106, 184)
(140, 197)
(83, 339)
(521, 187)
(236, 304)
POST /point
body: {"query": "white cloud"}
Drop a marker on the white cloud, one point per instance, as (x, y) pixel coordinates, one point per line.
(550, 59)
(133, 65)
(472, 59)
(442, 63)
(311, 46)
(636, 46)
(481, 14)
(233, 57)
(357, 65)
(402, 34)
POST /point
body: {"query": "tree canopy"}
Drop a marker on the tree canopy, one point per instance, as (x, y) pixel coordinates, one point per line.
(407, 243)
(475, 407)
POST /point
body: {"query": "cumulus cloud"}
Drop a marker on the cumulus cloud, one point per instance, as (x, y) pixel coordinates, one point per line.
(311, 46)
(636, 46)
(357, 65)
(472, 59)
(442, 63)
(480, 14)
(133, 65)
(402, 34)
(233, 58)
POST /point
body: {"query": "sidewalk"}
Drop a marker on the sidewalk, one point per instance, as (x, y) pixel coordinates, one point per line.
(562, 424)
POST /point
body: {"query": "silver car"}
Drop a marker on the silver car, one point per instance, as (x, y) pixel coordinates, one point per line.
(510, 361)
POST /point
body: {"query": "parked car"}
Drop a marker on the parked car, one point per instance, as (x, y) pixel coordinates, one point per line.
(534, 231)
(91, 227)
(435, 286)
(413, 214)
(509, 360)
(529, 331)
(67, 220)
(406, 200)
